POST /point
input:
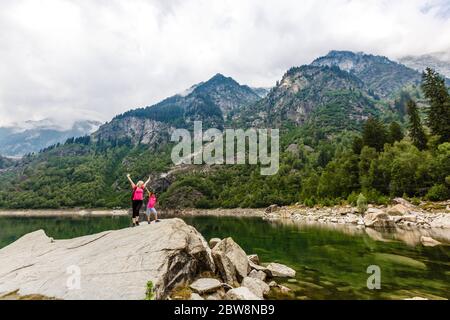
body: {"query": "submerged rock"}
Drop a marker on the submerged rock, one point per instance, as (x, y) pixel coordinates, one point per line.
(400, 260)
(280, 270)
(429, 242)
(284, 290)
(109, 265)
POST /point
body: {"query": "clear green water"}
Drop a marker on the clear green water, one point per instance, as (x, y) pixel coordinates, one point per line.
(330, 264)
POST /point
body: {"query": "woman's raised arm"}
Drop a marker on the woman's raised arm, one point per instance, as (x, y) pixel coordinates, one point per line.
(147, 182)
(131, 181)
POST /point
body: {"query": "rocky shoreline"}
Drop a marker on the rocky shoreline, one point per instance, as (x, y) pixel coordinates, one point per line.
(238, 276)
(400, 214)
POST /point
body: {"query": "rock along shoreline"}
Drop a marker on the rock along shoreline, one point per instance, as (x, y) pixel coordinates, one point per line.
(400, 214)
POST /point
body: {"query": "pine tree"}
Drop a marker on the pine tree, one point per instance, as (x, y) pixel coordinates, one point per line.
(401, 102)
(416, 131)
(395, 132)
(374, 134)
(435, 90)
(357, 145)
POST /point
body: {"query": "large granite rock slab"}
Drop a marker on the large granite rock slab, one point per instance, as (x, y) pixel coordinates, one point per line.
(109, 265)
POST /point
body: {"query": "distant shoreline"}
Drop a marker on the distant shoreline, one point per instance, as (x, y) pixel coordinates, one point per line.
(48, 213)
(63, 213)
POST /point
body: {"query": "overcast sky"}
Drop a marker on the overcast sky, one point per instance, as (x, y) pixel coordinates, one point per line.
(80, 59)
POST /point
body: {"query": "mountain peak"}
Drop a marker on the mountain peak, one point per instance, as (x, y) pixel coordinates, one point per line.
(340, 56)
(219, 76)
(211, 102)
(344, 53)
(383, 76)
(221, 79)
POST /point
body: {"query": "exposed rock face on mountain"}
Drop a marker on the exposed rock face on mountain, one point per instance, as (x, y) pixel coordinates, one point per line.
(111, 265)
(314, 93)
(226, 93)
(33, 136)
(381, 75)
(439, 61)
(211, 102)
(136, 130)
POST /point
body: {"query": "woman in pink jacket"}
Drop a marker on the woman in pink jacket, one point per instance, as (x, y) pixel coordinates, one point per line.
(137, 198)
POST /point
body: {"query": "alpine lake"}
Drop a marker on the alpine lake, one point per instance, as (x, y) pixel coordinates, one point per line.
(331, 261)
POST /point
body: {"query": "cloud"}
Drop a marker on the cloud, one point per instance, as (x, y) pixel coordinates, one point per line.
(75, 59)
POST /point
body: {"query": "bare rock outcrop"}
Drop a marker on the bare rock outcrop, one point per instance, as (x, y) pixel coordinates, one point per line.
(231, 261)
(109, 265)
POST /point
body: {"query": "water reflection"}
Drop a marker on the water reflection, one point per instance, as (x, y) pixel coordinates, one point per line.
(330, 260)
(410, 236)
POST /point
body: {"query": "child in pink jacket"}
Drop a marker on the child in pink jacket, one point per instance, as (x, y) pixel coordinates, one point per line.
(151, 206)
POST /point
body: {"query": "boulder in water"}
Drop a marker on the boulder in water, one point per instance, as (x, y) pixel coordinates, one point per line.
(280, 270)
(231, 261)
(429, 242)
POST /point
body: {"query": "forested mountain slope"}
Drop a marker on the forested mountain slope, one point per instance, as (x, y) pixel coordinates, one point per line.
(346, 127)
